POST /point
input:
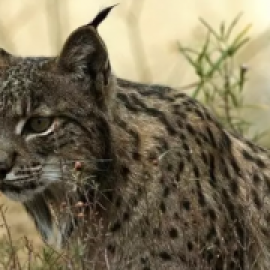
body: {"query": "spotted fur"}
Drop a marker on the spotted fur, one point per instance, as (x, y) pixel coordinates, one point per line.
(169, 187)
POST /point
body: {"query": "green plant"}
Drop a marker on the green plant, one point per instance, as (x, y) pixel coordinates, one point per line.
(220, 84)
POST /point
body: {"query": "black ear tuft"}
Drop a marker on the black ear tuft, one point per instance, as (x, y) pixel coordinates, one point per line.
(101, 16)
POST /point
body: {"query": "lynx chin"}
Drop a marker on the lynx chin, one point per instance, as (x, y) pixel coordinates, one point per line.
(161, 185)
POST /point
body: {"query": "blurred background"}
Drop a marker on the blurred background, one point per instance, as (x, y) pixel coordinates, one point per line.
(142, 37)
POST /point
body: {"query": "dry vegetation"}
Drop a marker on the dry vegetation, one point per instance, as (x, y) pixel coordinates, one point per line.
(143, 40)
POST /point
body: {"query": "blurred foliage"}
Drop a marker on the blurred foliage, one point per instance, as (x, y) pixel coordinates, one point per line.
(220, 84)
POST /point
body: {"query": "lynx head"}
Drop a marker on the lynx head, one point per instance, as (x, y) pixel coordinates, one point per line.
(54, 112)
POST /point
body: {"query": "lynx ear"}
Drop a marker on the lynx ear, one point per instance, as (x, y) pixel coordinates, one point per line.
(84, 51)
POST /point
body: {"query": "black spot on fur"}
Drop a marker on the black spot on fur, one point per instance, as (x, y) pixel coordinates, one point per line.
(118, 202)
(144, 260)
(183, 136)
(186, 147)
(180, 124)
(212, 214)
(165, 256)
(212, 176)
(211, 233)
(134, 201)
(265, 232)
(145, 263)
(260, 163)
(162, 207)
(190, 129)
(140, 191)
(109, 195)
(173, 233)
(126, 216)
(190, 246)
(189, 109)
(116, 226)
(267, 183)
(235, 166)
(166, 192)
(199, 113)
(186, 205)
(181, 167)
(182, 115)
(234, 187)
(204, 137)
(196, 171)
(224, 168)
(256, 179)
(201, 198)
(211, 136)
(125, 171)
(143, 233)
(229, 205)
(169, 167)
(156, 232)
(111, 248)
(131, 132)
(136, 156)
(198, 141)
(209, 256)
(180, 95)
(152, 156)
(256, 199)
(247, 155)
(204, 158)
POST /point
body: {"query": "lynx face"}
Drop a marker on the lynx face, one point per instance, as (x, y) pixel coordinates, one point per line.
(51, 110)
(40, 141)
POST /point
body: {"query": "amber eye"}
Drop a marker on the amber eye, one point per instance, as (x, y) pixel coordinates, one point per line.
(38, 124)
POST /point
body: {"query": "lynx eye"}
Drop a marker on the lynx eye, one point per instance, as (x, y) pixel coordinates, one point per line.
(38, 124)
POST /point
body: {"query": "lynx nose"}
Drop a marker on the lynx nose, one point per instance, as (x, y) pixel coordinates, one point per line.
(6, 160)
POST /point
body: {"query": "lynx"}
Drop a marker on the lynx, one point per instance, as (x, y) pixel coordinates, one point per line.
(162, 184)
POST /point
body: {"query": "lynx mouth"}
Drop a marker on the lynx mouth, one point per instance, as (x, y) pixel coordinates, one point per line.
(23, 185)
